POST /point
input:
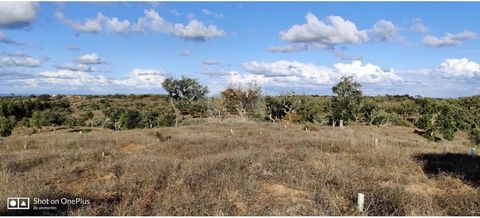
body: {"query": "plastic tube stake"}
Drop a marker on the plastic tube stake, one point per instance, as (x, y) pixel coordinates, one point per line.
(360, 201)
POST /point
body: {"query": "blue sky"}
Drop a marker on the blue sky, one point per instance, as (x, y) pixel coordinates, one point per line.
(428, 49)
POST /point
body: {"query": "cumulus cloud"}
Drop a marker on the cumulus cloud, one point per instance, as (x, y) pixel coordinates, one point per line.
(462, 67)
(142, 78)
(418, 26)
(91, 58)
(236, 78)
(297, 74)
(367, 73)
(117, 26)
(336, 30)
(138, 78)
(290, 71)
(333, 32)
(449, 39)
(19, 60)
(194, 30)
(17, 14)
(68, 78)
(385, 30)
(90, 25)
(77, 67)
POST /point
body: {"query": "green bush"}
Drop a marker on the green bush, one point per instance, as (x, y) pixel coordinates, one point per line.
(130, 119)
(475, 136)
(166, 117)
(6, 125)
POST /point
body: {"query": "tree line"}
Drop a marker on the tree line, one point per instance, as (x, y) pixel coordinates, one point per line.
(435, 119)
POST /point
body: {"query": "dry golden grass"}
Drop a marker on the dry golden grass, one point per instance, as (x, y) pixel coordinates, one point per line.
(260, 169)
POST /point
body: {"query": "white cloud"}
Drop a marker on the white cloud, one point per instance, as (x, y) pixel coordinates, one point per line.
(69, 78)
(459, 68)
(91, 58)
(235, 78)
(297, 74)
(19, 60)
(367, 73)
(288, 48)
(117, 26)
(290, 71)
(77, 67)
(138, 78)
(334, 31)
(89, 26)
(418, 26)
(385, 30)
(142, 78)
(449, 39)
(153, 21)
(195, 30)
(17, 14)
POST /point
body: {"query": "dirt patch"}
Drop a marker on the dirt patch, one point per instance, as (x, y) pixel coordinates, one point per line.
(278, 191)
(132, 147)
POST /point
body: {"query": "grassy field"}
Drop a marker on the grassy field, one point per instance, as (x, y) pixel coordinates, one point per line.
(259, 169)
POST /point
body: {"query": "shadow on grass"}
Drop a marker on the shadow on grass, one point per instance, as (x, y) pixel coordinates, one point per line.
(462, 166)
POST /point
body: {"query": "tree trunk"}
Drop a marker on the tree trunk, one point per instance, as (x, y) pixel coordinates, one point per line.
(177, 113)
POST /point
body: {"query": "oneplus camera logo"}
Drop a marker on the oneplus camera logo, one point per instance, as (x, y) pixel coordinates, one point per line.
(18, 203)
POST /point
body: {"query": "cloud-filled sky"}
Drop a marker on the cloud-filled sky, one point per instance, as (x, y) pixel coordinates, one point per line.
(428, 49)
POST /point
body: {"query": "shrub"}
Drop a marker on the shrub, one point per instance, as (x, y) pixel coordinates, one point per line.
(166, 117)
(6, 125)
(161, 137)
(46, 118)
(129, 120)
(475, 136)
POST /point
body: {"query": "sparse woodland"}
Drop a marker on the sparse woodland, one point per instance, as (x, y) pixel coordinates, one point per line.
(242, 152)
(435, 119)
